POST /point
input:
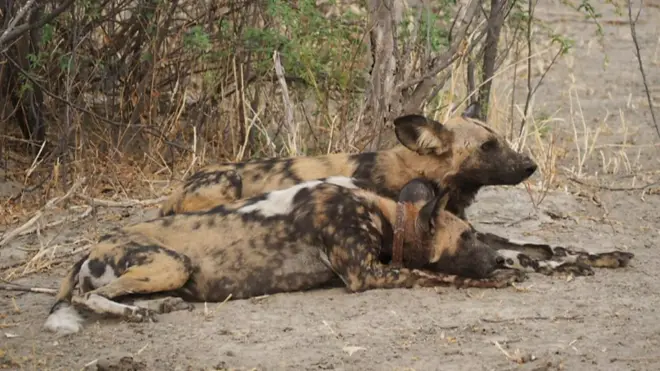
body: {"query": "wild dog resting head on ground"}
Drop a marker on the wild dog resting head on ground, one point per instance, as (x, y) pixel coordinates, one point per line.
(461, 155)
(294, 239)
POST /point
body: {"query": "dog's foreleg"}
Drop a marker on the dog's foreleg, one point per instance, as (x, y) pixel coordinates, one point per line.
(355, 260)
(499, 279)
(521, 262)
(544, 252)
(384, 277)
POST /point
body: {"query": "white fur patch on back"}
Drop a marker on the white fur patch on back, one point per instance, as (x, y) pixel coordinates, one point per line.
(278, 202)
(107, 276)
(65, 320)
(344, 181)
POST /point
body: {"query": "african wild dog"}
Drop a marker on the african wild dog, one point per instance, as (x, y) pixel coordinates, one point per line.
(461, 155)
(294, 239)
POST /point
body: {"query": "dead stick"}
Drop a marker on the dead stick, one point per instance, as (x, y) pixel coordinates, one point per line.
(535, 318)
(507, 354)
(56, 259)
(49, 205)
(38, 290)
(130, 203)
(85, 214)
(613, 189)
(638, 54)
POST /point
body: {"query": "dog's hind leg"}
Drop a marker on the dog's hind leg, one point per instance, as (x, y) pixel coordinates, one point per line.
(151, 269)
(544, 252)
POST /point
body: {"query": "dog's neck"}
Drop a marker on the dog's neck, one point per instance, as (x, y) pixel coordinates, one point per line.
(409, 165)
(404, 232)
(402, 216)
(461, 194)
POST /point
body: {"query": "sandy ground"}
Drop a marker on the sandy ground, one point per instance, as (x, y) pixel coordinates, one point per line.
(604, 322)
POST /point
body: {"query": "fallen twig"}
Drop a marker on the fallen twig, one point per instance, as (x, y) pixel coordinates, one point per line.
(635, 359)
(12, 265)
(49, 205)
(90, 363)
(85, 214)
(129, 203)
(32, 262)
(38, 290)
(638, 188)
(534, 318)
(507, 354)
(29, 263)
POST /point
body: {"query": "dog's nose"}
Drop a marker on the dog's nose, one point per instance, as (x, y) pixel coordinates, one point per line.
(531, 168)
(499, 260)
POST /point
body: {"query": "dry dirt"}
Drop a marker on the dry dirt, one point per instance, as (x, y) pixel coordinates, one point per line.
(606, 321)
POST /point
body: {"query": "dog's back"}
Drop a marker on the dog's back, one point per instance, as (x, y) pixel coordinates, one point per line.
(261, 245)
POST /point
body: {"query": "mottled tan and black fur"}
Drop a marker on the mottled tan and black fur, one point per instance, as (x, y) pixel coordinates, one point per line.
(461, 155)
(294, 239)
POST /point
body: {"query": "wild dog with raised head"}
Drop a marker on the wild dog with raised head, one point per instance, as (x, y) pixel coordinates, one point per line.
(293, 239)
(461, 155)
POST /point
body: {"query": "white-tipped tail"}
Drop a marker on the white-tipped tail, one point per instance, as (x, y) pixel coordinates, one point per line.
(64, 320)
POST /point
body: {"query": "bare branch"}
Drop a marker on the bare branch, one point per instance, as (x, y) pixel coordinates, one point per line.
(12, 24)
(495, 21)
(11, 34)
(8, 236)
(129, 203)
(530, 15)
(448, 57)
(152, 131)
(633, 32)
(37, 290)
(428, 88)
(288, 116)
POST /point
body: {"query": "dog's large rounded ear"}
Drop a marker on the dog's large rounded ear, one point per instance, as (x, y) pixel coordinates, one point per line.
(422, 135)
(428, 213)
(472, 111)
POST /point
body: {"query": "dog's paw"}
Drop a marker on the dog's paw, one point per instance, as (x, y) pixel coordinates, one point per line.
(578, 268)
(507, 277)
(139, 314)
(165, 305)
(613, 259)
(173, 304)
(499, 279)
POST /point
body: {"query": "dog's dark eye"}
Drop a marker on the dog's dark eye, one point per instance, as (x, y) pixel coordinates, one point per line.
(490, 145)
(465, 235)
